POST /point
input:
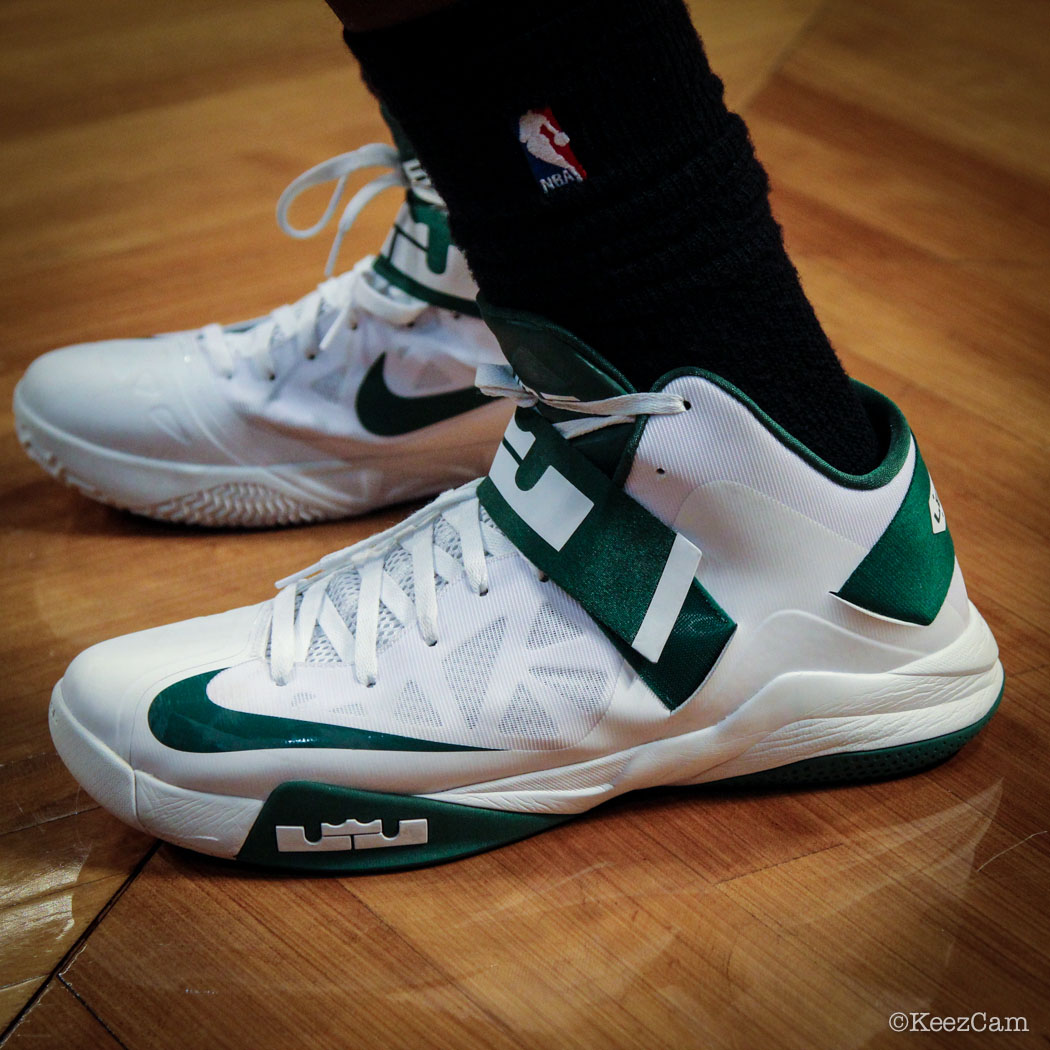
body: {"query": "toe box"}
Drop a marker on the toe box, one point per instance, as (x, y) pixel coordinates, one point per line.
(127, 394)
(106, 691)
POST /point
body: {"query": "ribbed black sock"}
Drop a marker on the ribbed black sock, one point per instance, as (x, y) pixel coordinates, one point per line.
(647, 233)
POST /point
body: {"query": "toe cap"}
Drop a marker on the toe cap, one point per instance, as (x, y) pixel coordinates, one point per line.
(107, 689)
(107, 778)
(123, 394)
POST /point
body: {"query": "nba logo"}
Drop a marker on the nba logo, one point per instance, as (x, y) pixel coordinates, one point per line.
(547, 148)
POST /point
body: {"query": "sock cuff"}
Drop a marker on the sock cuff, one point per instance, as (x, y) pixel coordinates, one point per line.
(594, 175)
(607, 69)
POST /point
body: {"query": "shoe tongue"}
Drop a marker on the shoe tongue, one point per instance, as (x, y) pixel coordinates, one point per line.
(418, 255)
(550, 359)
(410, 165)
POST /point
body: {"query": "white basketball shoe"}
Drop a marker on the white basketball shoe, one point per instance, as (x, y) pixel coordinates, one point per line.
(647, 589)
(359, 395)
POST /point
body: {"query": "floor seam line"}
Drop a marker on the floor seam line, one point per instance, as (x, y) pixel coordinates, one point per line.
(83, 1002)
(784, 53)
(77, 946)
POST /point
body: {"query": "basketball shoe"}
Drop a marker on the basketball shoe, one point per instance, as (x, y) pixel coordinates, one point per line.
(658, 588)
(359, 395)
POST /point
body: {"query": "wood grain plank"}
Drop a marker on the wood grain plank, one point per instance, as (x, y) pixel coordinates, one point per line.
(55, 877)
(746, 40)
(956, 70)
(139, 59)
(900, 921)
(36, 790)
(58, 1021)
(13, 998)
(274, 961)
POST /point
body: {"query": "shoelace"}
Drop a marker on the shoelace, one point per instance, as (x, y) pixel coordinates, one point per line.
(339, 169)
(338, 299)
(305, 603)
(500, 381)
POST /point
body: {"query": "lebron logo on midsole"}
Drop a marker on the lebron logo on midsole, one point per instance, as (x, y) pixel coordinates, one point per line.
(351, 834)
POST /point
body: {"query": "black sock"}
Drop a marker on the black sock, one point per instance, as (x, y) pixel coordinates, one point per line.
(648, 234)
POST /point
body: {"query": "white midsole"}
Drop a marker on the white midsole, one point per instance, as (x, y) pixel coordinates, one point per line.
(747, 741)
(727, 750)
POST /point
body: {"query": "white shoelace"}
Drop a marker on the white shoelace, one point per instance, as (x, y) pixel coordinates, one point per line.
(339, 169)
(500, 381)
(335, 304)
(305, 601)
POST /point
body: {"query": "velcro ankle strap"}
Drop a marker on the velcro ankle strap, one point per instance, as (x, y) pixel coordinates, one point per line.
(633, 574)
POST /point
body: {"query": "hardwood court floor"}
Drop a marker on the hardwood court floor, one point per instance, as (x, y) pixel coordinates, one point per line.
(909, 144)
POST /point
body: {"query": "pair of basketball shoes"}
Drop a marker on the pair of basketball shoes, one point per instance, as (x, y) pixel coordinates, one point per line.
(647, 588)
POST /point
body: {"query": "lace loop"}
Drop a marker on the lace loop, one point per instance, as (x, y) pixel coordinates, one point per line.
(339, 169)
(299, 326)
(501, 381)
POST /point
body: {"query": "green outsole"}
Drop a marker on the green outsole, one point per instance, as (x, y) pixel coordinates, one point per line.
(443, 831)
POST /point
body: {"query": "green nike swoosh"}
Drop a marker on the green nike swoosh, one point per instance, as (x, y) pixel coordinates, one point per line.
(182, 717)
(386, 414)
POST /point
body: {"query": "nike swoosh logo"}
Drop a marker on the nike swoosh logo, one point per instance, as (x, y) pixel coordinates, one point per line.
(386, 414)
(183, 718)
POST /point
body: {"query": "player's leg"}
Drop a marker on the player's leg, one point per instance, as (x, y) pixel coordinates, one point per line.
(595, 176)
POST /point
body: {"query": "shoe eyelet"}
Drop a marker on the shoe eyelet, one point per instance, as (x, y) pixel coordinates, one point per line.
(544, 578)
(660, 471)
(311, 357)
(353, 326)
(687, 405)
(272, 377)
(481, 594)
(430, 645)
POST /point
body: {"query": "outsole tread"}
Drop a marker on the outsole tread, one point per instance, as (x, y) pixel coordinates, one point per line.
(230, 505)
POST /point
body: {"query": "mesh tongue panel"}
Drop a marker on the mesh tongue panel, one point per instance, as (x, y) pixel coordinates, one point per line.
(344, 589)
(488, 690)
(245, 339)
(447, 538)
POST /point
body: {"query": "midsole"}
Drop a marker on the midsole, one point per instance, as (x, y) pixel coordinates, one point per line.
(921, 699)
(720, 751)
(218, 823)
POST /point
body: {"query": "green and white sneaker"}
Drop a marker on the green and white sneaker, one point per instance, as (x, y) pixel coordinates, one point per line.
(647, 589)
(361, 394)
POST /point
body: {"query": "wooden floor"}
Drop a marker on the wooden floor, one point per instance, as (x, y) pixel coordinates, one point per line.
(143, 147)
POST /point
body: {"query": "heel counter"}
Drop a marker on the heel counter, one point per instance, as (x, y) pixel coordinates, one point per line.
(907, 573)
